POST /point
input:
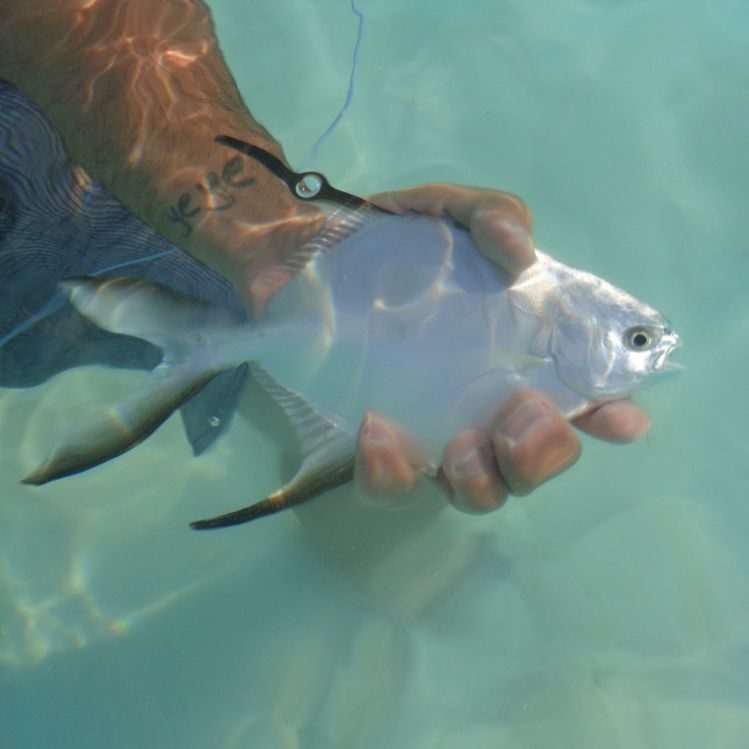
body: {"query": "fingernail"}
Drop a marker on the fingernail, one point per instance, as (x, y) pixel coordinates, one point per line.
(473, 463)
(523, 422)
(375, 433)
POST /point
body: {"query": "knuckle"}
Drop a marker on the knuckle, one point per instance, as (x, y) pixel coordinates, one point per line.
(547, 453)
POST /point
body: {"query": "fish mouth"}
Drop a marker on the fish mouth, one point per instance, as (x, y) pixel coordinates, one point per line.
(669, 343)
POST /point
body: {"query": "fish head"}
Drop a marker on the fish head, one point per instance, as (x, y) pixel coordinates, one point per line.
(606, 343)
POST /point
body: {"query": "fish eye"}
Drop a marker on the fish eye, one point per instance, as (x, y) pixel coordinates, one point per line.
(639, 338)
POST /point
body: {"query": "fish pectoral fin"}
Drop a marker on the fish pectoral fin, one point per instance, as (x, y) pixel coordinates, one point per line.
(118, 429)
(207, 415)
(327, 446)
(518, 363)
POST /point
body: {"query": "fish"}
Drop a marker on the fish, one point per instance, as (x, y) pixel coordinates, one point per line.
(397, 313)
(55, 223)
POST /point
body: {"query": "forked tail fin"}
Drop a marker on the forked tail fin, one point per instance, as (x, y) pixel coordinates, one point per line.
(146, 310)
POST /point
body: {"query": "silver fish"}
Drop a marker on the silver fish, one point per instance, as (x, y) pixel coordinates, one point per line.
(396, 313)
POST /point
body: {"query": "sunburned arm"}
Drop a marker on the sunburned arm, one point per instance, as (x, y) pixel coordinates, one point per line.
(139, 89)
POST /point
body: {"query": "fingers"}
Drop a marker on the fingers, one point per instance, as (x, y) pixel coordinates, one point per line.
(527, 444)
(615, 421)
(532, 442)
(470, 467)
(504, 239)
(388, 461)
(500, 223)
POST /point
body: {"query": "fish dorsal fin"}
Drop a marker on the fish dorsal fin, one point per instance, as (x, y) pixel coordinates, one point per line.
(341, 224)
(327, 445)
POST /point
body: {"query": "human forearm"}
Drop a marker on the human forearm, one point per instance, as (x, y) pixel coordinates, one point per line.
(139, 90)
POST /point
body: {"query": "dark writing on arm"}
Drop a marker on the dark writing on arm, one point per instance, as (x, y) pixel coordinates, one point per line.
(217, 193)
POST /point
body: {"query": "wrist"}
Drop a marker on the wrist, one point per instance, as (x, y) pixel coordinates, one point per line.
(247, 235)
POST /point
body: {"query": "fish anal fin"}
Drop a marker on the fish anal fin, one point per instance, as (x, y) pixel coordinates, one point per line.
(314, 427)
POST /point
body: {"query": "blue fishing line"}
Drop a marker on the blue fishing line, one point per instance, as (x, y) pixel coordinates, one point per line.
(135, 261)
(312, 155)
(49, 308)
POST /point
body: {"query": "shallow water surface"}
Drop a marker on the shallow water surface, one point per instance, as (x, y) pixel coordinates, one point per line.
(608, 609)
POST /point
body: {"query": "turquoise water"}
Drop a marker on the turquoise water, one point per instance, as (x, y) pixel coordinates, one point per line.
(609, 609)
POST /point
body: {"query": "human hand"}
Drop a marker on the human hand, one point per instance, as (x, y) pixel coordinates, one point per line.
(528, 441)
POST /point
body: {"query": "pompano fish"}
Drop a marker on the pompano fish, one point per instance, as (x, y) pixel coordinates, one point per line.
(396, 313)
(56, 224)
